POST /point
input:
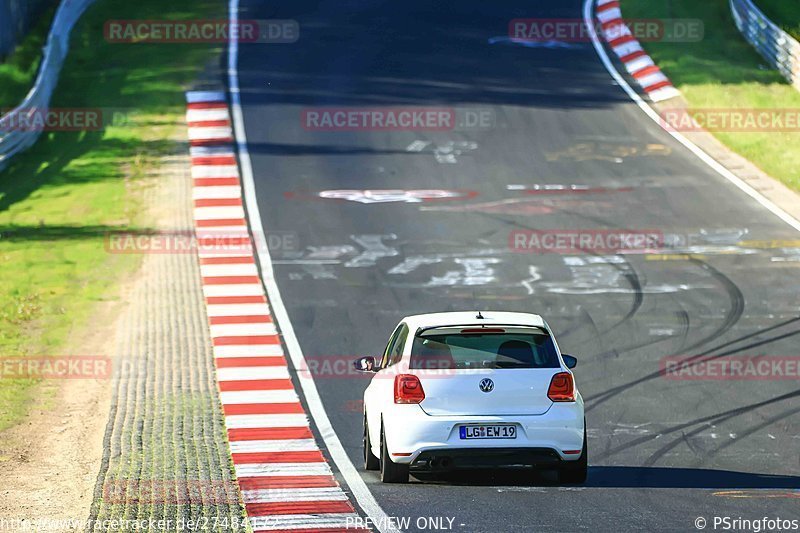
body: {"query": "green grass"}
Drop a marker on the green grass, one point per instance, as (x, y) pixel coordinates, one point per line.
(784, 13)
(59, 200)
(724, 71)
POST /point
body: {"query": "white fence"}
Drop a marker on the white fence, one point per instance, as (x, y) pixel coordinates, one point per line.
(779, 48)
(15, 139)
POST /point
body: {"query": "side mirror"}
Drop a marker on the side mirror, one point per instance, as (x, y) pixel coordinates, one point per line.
(365, 364)
(569, 360)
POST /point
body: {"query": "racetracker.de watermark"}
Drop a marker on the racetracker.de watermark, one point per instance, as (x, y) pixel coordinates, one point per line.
(272, 31)
(576, 31)
(564, 241)
(56, 367)
(61, 119)
(396, 118)
(202, 241)
(731, 120)
(731, 368)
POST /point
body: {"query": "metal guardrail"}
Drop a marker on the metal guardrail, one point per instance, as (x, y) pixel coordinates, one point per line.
(14, 139)
(779, 48)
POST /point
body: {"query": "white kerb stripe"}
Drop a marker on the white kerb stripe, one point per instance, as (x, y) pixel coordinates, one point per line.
(215, 171)
(194, 97)
(294, 495)
(202, 115)
(217, 212)
(210, 133)
(664, 93)
(234, 230)
(207, 151)
(652, 79)
(249, 350)
(233, 269)
(203, 254)
(252, 372)
(627, 48)
(264, 446)
(266, 421)
(215, 310)
(609, 14)
(239, 330)
(282, 469)
(241, 289)
(258, 396)
(216, 191)
(639, 63)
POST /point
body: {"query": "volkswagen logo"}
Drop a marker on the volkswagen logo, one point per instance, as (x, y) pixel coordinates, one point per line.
(486, 385)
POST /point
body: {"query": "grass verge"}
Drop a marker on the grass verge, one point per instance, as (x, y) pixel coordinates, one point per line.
(723, 71)
(60, 200)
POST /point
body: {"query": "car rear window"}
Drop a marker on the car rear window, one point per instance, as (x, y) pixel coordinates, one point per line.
(490, 350)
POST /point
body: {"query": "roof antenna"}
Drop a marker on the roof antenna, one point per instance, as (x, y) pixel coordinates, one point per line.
(479, 316)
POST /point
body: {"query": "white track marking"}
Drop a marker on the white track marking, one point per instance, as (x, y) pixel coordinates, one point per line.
(696, 150)
(316, 408)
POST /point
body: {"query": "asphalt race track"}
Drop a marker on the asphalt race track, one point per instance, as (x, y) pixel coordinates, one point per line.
(662, 451)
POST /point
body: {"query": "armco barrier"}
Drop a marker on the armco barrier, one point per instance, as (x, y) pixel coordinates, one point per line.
(37, 100)
(779, 48)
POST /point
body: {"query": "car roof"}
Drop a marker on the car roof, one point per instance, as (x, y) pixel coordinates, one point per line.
(468, 318)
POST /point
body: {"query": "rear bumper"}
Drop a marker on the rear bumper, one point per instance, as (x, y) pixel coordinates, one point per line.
(413, 437)
(446, 459)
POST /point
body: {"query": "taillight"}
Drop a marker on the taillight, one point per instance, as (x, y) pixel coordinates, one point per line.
(408, 389)
(562, 388)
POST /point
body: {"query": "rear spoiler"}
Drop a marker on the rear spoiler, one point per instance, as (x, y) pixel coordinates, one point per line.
(421, 331)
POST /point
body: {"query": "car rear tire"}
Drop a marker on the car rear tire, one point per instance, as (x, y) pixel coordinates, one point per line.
(577, 471)
(371, 461)
(391, 472)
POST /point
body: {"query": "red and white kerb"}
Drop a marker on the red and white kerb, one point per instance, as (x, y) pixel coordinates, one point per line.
(638, 64)
(285, 482)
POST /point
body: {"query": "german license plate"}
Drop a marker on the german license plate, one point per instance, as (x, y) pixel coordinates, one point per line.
(488, 432)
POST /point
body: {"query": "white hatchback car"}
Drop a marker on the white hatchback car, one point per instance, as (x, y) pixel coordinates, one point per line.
(472, 390)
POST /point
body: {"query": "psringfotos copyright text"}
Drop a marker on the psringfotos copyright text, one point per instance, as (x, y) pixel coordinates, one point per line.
(756, 525)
